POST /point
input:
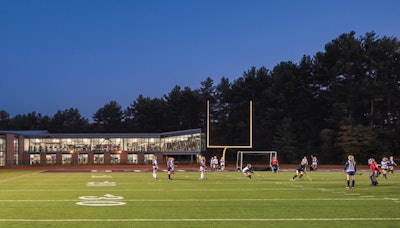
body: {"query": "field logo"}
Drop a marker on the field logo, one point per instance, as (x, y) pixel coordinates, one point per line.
(103, 201)
(103, 176)
(101, 184)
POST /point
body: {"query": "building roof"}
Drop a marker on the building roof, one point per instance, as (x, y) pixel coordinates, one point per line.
(46, 134)
(25, 132)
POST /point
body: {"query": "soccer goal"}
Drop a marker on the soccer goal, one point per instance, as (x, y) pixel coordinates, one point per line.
(258, 159)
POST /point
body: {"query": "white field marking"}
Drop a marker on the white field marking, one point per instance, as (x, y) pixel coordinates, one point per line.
(367, 196)
(101, 171)
(324, 189)
(18, 177)
(352, 194)
(34, 201)
(213, 200)
(101, 184)
(105, 197)
(104, 201)
(200, 220)
(391, 199)
(83, 190)
(272, 199)
(153, 190)
(103, 176)
(100, 203)
(297, 186)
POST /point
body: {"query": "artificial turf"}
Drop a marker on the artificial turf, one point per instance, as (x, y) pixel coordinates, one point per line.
(224, 199)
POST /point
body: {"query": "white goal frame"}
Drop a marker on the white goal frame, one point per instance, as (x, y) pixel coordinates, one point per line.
(239, 157)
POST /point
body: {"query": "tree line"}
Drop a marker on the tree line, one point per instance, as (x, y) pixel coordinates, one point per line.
(343, 100)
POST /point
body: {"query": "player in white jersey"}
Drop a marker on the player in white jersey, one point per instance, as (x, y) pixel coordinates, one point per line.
(202, 167)
(304, 162)
(385, 167)
(314, 163)
(350, 169)
(392, 164)
(222, 163)
(155, 167)
(247, 171)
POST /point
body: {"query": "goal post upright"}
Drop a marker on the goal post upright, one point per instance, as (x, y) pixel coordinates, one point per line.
(226, 147)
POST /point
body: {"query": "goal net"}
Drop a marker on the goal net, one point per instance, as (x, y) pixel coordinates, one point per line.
(259, 160)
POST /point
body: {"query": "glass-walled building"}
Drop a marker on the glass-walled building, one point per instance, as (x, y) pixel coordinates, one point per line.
(2, 150)
(43, 148)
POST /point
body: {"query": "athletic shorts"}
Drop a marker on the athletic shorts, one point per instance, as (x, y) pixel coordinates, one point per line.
(351, 173)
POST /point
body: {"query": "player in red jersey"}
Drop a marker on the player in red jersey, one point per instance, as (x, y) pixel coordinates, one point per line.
(375, 171)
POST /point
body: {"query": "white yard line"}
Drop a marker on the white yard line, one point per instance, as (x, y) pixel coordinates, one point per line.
(18, 177)
(214, 200)
(200, 220)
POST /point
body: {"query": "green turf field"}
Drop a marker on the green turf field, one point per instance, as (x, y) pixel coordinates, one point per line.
(225, 199)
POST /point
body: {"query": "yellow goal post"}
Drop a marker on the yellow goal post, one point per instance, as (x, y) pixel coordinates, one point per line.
(226, 147)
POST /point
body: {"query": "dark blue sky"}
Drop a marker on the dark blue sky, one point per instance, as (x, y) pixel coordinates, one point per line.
(61, 54)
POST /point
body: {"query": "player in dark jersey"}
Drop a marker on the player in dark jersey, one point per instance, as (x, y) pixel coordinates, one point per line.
(301, 169)
(170, 167)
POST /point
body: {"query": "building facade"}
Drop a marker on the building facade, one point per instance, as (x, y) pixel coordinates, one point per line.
(21, 148)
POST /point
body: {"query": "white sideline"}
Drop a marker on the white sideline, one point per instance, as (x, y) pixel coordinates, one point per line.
(200, 219)
(216, 200)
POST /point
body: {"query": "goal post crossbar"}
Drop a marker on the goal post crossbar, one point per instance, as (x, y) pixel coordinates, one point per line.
(250, 145)
(226, 147)
(239, 156)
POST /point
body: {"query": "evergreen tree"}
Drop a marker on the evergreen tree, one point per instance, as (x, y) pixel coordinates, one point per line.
(285, 142)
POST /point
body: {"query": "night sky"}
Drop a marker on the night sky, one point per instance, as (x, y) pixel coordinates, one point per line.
(61, 54)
